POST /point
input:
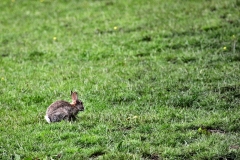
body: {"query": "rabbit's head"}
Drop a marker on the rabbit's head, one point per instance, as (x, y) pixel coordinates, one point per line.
(76, 102)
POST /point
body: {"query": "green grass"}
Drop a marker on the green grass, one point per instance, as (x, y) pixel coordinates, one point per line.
(159, 79)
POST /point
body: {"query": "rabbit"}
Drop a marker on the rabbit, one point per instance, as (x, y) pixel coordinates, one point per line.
(62, 110)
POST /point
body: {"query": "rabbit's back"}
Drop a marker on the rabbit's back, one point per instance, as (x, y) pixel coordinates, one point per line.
(57, 105)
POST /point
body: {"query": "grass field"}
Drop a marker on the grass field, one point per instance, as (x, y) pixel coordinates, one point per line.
(159, 79)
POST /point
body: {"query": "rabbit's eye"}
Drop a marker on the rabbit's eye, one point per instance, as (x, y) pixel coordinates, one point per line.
(80, 102)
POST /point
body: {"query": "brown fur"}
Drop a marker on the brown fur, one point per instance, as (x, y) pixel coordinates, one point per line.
(62, 110)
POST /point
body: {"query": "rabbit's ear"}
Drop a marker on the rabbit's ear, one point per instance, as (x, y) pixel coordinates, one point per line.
(74, 96)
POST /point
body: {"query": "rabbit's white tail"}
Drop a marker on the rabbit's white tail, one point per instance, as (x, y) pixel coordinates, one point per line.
(47, 119)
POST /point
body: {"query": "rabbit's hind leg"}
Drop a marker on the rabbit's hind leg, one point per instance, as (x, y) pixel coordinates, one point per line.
(57, 117)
